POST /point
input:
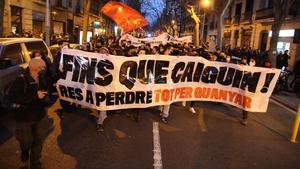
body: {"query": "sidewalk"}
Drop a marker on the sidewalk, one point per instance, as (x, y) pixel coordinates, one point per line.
(288, 99)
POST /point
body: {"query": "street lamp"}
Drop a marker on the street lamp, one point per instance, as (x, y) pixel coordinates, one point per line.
(173, 26)
(205, 3)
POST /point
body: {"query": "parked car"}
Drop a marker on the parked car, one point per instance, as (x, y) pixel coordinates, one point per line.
(55, 48)
(14, 58)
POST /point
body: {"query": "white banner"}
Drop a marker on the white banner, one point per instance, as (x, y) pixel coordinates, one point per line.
(185, 39)
(107, 82)
(155, 41)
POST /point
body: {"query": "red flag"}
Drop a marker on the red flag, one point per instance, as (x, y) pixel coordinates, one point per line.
(126, 17)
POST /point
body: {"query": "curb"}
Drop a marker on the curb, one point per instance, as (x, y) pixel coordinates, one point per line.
(284, 103)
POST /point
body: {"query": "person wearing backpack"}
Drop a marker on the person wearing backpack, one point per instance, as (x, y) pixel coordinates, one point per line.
(26, 98)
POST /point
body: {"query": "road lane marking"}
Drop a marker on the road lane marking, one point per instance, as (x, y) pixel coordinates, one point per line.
(156, 147)
(283, 106)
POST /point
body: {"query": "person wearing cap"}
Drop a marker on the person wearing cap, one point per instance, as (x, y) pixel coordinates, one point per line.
(26, 98)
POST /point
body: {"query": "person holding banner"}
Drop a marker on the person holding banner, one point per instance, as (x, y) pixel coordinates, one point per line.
(244, 122)
(66, 106)
(102, 114)
(165, 109)
(191, 108)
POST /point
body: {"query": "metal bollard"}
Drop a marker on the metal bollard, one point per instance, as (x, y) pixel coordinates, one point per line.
(296, 126)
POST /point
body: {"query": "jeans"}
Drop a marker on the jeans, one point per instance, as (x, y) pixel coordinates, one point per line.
(165, 110)
(101, 116)
(31, 137)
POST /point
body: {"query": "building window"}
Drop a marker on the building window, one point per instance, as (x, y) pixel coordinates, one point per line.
(78, 8)
(95, 7)
(16, 19)
(62, 3)
(230, 12)
(270, 4)
(238, 9)
(70, 3)
(249, 5)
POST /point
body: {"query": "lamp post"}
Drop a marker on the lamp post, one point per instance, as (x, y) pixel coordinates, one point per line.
(196, 18)
(205, 4)
(47, 24)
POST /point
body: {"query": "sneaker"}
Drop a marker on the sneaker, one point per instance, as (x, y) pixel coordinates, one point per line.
(244, 122)
(25, 156)
(183, 104)
(164, 120)
(100, 128)
(191, 109)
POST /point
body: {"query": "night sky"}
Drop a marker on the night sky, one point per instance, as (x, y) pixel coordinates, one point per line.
(152, 9)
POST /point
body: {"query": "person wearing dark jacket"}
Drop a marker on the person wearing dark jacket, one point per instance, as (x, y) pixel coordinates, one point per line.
(279, 60)
(296, 72)
(26, 98)
(66, 106)
(285, 59)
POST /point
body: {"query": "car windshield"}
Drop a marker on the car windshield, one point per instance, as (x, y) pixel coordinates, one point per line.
(36, 46)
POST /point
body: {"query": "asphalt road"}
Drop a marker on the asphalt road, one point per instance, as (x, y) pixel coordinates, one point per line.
(211, 139)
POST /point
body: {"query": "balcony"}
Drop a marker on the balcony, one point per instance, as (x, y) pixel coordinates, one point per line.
(264, 13)
(237, 19)
(247, 17)
(227, 21)
(40, 2)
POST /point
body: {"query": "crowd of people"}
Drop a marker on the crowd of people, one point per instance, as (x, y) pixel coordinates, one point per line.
(30, 90)
(244, 56)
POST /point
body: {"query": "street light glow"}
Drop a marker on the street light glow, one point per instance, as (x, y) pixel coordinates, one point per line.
(205, 3)
(173, 21)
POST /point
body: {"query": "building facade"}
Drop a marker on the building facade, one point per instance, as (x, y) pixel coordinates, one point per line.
(248, 23)
(66, 17)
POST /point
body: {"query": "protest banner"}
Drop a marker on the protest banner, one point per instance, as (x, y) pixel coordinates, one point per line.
(181, 40)
(107, 82)
(155, 41)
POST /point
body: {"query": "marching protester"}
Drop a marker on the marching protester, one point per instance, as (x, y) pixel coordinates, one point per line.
(26, 96)
(165, 109)
(243, 56)
(296, 72)
(285, 58)
(244, 61)
(102, 114)
(279, 60)
(66, 106)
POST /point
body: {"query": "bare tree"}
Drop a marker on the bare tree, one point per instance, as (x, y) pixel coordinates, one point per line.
(135, 4)
(176, 9)
(196, 19)
(86, 14)
(220, 6)
(153, 9)
(281, 10)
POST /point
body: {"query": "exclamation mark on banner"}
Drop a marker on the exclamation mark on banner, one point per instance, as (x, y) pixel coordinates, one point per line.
(269, 78)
